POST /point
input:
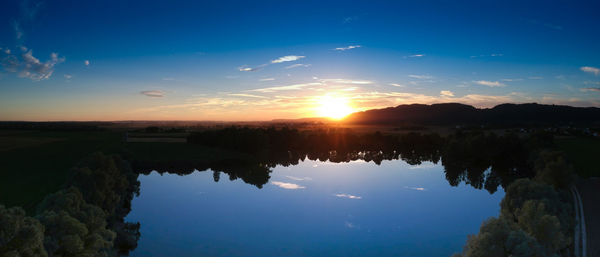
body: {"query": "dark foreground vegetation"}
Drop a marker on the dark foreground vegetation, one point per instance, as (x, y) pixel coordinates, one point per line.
(84, 216)
(536, 216)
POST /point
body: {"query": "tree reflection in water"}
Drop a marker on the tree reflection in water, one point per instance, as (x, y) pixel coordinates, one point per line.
(478, 159)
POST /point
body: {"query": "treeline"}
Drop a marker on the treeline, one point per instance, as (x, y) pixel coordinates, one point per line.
(84, 219)
(54, 126)
(487, 160)
(249, 171)
(536, 217)
(483, 160)
(257, 140)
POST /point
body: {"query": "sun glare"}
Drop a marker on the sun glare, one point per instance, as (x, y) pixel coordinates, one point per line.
(334, 107)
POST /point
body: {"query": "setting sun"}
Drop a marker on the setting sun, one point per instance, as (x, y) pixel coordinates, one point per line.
(334, 107)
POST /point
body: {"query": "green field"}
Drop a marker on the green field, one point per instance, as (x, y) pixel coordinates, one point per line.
(37, 163)
(583, 153)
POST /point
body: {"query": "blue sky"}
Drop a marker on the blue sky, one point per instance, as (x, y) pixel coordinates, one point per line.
(241, 60)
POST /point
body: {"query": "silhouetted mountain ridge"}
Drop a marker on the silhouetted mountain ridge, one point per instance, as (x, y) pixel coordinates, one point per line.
(456, 113)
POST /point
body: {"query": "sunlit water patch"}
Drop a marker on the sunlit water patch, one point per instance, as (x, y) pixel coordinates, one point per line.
(311, 209)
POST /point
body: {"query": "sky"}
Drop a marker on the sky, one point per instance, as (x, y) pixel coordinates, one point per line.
(262, 60)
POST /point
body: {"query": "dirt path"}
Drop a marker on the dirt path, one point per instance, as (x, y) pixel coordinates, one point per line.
(589, 189)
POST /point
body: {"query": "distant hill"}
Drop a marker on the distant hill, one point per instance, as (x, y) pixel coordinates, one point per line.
(456, 114)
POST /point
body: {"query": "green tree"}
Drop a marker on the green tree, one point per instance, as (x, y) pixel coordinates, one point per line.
(20, 235)
(74, 227)
(544, 227)
(499, 237)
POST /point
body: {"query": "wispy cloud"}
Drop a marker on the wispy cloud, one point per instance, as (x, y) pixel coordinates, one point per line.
(298, 179)
(535, 77)
(267, 79)
(349, 19)
(30, 9)
(297, 65)
(285, 185)
(420, 76)
(589, 69)
(446, 93)
(28, 66)
(246, 68)
(348, 196)
(489, 83)
(396, 85)
(416, 188)
(425, 165)
(591, 89)
(416, 55)
(28, 12)
(486, 55)
(346, 81)
(346, 48)
(18, 30)
(287, 58)
(153, 93)
(284, 88)
(68, 76)
(320, 85)
(247, 95)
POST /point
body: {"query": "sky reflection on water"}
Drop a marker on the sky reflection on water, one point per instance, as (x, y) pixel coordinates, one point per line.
(311, 209)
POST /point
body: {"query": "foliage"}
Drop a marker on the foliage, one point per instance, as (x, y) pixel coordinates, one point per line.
(554, 203)
(20, 235)
(85, 219)
(499, 237)
(467, 157)
(543, 226)
(104, 181)
(535, 220)
(74, 227)
(108, 182)
(552, 169)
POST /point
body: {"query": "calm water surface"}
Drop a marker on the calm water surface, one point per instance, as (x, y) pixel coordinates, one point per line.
(311, 209)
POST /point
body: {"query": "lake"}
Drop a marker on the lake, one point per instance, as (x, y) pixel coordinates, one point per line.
(311, 209)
